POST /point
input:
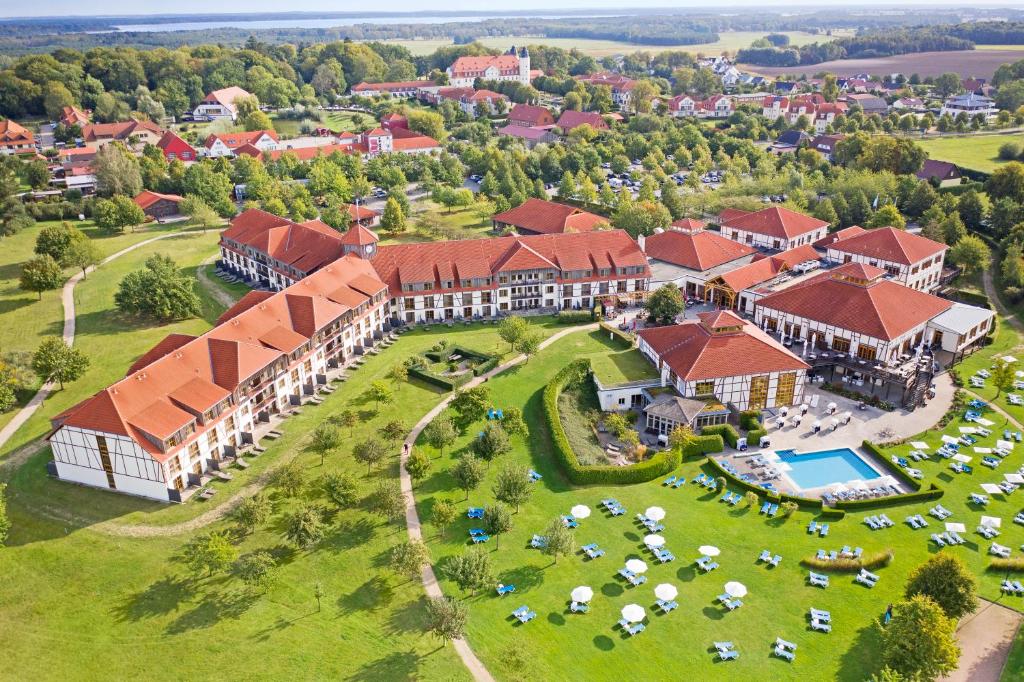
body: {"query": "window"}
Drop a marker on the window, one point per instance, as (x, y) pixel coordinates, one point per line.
(784, 391)
(758, 393)
(866, 352)
(840, 344)
(704, 388)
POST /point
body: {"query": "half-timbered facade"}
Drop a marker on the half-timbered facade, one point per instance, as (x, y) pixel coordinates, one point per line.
(910, 259)
(774, 228)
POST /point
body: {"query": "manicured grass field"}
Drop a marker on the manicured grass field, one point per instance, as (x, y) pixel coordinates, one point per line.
(115, 605)
(459, 223)
(728, 41)
(619, 366)
(979, 152)
(589, 646)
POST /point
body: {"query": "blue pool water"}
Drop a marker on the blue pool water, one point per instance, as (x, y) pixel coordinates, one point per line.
(825, 467)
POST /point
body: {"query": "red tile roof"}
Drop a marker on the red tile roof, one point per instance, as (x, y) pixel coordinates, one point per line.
(794, 256)
(890, 244)
(728, 214)
(699, 251)
(170, 343)
(753, 273)
(464, 67)
(235, 140)
(241, 305)
(147, 198)
(308, 153)
(712, 347)
(548, 217)
(530, 115)
(121, 130)
(689, 224)
(357, 235)
(14, 133)
(304, 246)
(776, 221)
(481, 258)
(833, 237)
(226, 97)
(182, 372)
(877, 307)
(570, 119)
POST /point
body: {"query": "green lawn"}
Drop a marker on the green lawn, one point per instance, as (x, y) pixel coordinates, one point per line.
(99, 603)
(590, 646)
(459, 223)
(979, 152)
(1014, 669)
(617, 366)
(728, 41)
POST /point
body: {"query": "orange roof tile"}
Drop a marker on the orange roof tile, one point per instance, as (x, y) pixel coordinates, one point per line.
(304, 246)
(547, 217)
(170, 343)
(889, 244)
(571, 119)
(833, 237)
(357, 235)
(776, 221)
(699, 251)
(146, 198)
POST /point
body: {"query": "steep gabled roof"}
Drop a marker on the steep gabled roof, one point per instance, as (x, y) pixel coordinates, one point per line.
(698, 251)
(776, 221)
(548, 217)
(890, 244)
(146, 198)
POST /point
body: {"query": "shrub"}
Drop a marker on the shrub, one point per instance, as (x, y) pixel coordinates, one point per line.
(774, 497)
(896, 470)
(1013, 564)
(658, 465)
(703, 445)
(750, 420)
(624, 337)
(831, 513)
(754, 436)
(574, 316)
(849, 564)
(1009, 151)
(726, 431)
(445, 383)
(934, 492)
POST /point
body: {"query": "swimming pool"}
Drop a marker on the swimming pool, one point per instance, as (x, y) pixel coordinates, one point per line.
(826, 467)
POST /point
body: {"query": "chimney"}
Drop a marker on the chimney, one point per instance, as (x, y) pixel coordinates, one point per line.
(641, 241)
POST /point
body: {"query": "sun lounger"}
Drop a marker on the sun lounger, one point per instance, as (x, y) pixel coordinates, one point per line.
(812, 527)
(776, 560)
(765, 556)
(728, 655)
(679, 482)
(979, 499)
(912, 521)
(709, 566)
(667, 606)
(988, 532)
(765, 507)
(1019, 518)
(636, 629)
(477, 539)
(539, 542)
(505, 589)
(1009, 587)
(733, 605)
(579, 607)
(938, 540)
(822, 555)
(669, 481)
(724, 597)
(724, 646)
(637, 580)
(999, 550)
(823, 531)
(782, 652)
(774, 510)
(872, 522)
(821, 626)
(475, 513)
(534, 476)
(866, 578)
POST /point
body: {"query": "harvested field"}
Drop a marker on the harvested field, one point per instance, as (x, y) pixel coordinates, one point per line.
(977, 63)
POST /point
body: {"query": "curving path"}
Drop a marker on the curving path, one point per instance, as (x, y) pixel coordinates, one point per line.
(412, 517)
(214, 289)
(67, 297)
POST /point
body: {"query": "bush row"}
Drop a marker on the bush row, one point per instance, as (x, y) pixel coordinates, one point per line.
(448, 384)
(445, 353)
(625, 337)
(832, 513)
(726, 431)
(971, 298)
(658, 465)
(775, 497)
(754, 436)
(485, 366)
(893, 468)
(934, 492)
(849, 564)
(574, 316)
(750, 420)
(1015, 564)
(699, 446)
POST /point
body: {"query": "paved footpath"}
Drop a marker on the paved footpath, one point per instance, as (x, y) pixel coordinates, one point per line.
(412, 517)
(67, 298)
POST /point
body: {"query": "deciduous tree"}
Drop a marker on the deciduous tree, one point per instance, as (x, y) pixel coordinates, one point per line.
(41, 273)
(54, 360)
(469, 473)
(919, 641)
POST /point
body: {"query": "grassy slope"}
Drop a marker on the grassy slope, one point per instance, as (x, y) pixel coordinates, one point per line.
(979, 152)
(94, 602)
(778, 600)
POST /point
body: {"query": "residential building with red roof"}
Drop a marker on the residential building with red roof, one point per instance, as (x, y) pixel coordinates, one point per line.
(434, 281)
(226, 144)
(393, 88)
(514, 65)
(944, 173)
(775, 228)
(723, 357)
(367, 217)
(531, 137)
(571, 119)
(16, 139)
(192, 402)
(716, 106)
(157, 206)
(133, 133)
(688, 256)
(469, 100)
(530, 116)
(73, 116)
(174, 147)
(910, 259)
(819, 113)
(621, 86)
(220, 104)
(853, 309)
(537, 216)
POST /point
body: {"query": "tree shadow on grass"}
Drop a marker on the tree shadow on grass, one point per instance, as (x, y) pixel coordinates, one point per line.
(159, 599)
(398, 665)
(214, 608)
(604, 643)
(375, 593)
(409, 618)
(556, 618)
(686, 573)
(523, 577)
(612, 590)
(711, 613)
(631, 536)
(861, 657)
(349, 535)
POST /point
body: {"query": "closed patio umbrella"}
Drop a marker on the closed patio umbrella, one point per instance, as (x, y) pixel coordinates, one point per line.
(918, 445)
(962, 458)
(654, 541)
(1004, 444)
(709, 550)
(991, 488)
(666, 592)
(634, 613)
(1014, 478)
(956, 527)
(655, 513)
(580, 511)
(991, 521)
(636, 565)
(735, 589)
(582, 594)
(949, 439)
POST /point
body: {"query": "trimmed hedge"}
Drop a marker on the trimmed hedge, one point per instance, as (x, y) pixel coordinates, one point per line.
(486, 366)
(726, 431)
(441, 382)
(624, 337)
(849, 564)
(971, 298)
(754, 436)
(831, 513)
(894, 469)
(934, 492)
(574, 316)
(702, 445)
(803, 502)
(648, 470)
(750, 420)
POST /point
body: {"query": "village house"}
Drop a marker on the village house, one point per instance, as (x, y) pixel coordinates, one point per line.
(73, 116)
(395, 88)
(530, 116)
(531, 137)
(16, 139)
(776, 228)
(514, 65)
(621, 86)
(173, 147)
(220, 104)
(536, 216)
(688, 256)
(158, 206)
(192, 402)
(869, 104)
(716, 106)
(910, 259)
(470, 100)
(132, 133)
(228, 144)
(969, 104)
(722, 357)
(571, 119)
(826, 144)
(943, 173)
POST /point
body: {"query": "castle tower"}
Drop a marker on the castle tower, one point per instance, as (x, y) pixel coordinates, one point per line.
(524, 65)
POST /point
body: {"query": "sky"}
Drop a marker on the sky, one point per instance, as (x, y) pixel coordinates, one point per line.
(13, 8)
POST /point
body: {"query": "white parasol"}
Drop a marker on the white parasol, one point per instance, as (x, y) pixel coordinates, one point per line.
(991, 488)
(666, 592)
(983, 451)
(655, 513)
(955, 527)
(636, 566)
(709, 550)
(735, 589)
(991, 521)
(634, 613)
(582, 594)
(960, 457)
(580, 511)
(654, 541)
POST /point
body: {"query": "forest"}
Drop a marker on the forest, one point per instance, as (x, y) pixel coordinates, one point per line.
(862, 46)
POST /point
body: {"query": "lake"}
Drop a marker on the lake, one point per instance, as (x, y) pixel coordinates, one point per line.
(325, 23)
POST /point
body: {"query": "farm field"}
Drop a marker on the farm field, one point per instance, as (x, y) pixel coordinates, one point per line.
(978, 152)
(729, 41)
(977, 63)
